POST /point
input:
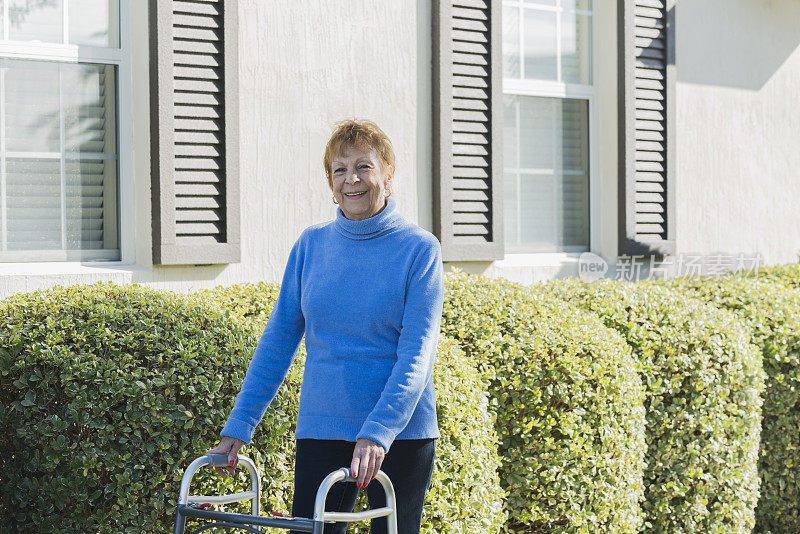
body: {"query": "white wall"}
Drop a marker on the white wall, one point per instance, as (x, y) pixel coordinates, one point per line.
(303, 66)
(738, 127)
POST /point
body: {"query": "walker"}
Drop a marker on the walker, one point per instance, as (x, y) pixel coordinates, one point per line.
(194, 505)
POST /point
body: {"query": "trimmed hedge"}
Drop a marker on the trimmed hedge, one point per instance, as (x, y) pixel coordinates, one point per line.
(787, 274)
(568, 402)
(703, 381)
(109, 391)
(252, 303)
(773, 314)
(465, 494)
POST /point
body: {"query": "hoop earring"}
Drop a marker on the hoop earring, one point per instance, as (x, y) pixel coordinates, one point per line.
(334, 199)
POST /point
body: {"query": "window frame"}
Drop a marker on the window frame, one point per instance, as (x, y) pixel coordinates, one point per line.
(121, 58)
(555, 89)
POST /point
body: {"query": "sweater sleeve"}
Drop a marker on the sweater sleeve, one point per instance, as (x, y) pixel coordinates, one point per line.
(273, 356)
(416, 349)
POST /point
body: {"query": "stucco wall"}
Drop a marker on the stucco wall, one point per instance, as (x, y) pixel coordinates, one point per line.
(738, 127)
(303, 65)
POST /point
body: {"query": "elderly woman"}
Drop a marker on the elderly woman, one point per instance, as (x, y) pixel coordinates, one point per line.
(366, 289)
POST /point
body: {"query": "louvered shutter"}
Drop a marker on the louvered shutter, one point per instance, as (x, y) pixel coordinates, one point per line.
(647, 96)
(194, 132)
(467, 148)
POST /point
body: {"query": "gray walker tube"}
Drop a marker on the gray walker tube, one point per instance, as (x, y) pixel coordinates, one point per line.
(187, 504)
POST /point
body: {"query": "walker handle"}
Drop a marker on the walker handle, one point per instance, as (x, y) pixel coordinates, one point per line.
(219, 460)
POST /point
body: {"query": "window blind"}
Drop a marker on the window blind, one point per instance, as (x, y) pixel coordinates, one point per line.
(59, 161)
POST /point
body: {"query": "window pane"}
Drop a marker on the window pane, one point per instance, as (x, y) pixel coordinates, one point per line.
(89, 108)
(510, 210)
(576, 48)
(60, 172)
(541, 2)
(31, 106)
(36, 21)
(94, 22)
(538, 205)
(574, 124)
(510, 130)
(575, 213)
(89, 183)
(575, 172)
(577, 4)
(551, 204)
(511, 42)
(539, 38)
(537, 127)
(33, 203)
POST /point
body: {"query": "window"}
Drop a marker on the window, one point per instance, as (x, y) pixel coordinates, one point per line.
(59, 149)
(547, 96)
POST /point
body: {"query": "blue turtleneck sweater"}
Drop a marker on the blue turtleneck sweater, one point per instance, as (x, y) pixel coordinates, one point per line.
(368, 295)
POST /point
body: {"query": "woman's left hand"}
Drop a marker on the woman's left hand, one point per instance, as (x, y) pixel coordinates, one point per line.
(367, 460)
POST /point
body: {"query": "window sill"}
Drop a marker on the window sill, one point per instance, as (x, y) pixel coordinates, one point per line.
(539, 259)
(62, 268)
(530, 268)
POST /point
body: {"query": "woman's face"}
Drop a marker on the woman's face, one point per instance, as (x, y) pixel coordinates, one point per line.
(359, 171)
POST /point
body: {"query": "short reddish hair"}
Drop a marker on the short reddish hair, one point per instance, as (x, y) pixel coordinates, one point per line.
(357, 133)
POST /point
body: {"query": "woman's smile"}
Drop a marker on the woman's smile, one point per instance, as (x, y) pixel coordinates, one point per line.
(360, 182)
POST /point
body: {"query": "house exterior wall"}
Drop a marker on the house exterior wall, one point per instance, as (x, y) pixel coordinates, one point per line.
(738, 127)
(302, 66)
(737, 144)
(305, 64)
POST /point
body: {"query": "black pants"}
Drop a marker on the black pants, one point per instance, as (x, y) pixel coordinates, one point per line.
(409, 465)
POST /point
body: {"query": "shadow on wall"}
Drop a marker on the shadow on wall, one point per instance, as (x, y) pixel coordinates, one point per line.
(734, 43)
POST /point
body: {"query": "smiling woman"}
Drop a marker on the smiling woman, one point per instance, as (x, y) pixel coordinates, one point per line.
(361, 182)
(368, 399)
(359, 162)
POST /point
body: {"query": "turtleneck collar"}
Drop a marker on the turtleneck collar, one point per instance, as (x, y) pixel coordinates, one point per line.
(376, 226)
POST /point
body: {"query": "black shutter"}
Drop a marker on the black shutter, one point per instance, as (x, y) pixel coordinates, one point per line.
(194, 131)
(646, 127)
(467, 150)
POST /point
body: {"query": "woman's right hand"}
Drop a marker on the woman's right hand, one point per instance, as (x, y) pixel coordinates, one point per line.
(230, 446)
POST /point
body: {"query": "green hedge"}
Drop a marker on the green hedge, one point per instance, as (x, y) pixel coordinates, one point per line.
(250, 302)
(465, 494)
(787, 274)
(568, 402)
(772, 312)
(703, 381)
(108, 392)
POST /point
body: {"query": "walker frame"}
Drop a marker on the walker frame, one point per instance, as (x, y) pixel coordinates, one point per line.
(189, 506)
